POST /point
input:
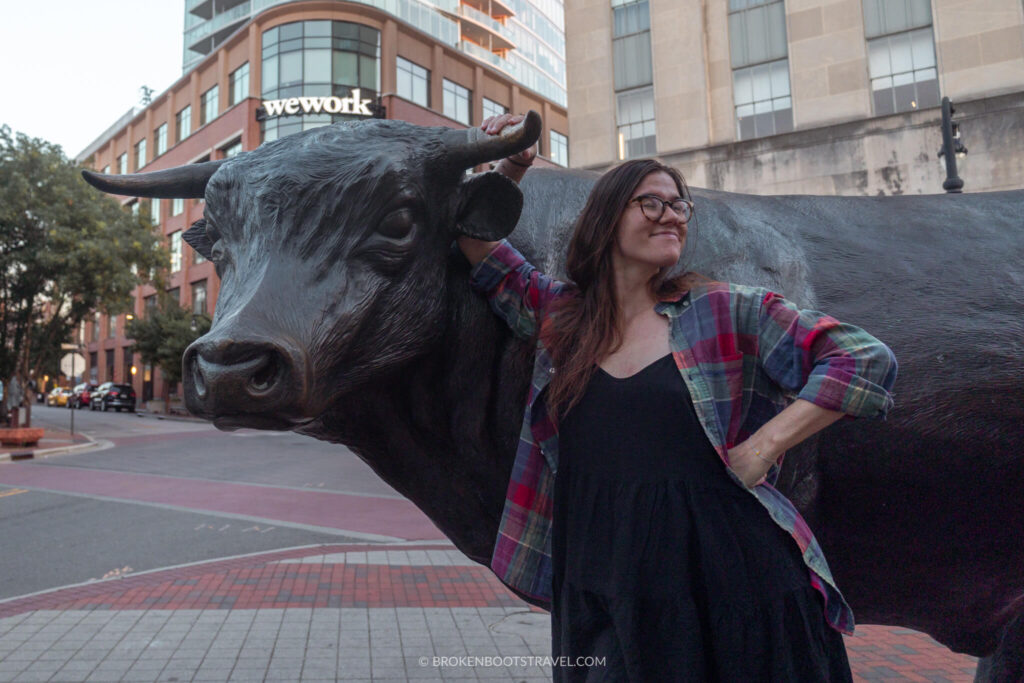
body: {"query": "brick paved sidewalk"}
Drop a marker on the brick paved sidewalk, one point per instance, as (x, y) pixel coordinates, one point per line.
(380, 612)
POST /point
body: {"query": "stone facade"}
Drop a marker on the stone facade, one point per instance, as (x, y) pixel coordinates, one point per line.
(838, 145)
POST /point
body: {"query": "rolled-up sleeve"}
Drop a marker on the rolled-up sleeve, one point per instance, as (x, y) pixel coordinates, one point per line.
(834, 365)
(516, 291)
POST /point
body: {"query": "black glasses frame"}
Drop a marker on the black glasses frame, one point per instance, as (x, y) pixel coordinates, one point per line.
(688, 211)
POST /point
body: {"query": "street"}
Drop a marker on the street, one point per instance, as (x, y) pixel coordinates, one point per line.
(162, 492)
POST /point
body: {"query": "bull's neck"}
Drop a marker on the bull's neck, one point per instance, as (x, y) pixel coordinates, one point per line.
(442, 429)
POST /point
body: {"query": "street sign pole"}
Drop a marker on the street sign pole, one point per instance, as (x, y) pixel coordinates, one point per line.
(72, 387)
(73, 348)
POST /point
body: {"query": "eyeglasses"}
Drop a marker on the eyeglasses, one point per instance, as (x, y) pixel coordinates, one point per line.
(653, 207)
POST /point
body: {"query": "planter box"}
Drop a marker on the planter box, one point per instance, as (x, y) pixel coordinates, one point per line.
(22, 436)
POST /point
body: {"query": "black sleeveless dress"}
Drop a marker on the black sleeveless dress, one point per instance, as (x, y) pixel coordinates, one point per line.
(662, 564)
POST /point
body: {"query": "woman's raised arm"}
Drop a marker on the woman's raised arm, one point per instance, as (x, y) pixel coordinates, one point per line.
(513, 167)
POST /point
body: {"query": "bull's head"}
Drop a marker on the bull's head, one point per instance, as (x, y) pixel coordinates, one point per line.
(331, 246)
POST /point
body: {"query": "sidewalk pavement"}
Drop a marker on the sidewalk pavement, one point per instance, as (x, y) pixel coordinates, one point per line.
(54, 441)
(414, 610)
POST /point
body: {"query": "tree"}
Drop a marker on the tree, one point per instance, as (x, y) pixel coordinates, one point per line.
(162, 336)
(66, 249)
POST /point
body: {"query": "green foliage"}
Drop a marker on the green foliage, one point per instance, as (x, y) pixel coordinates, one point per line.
(65, 249)
(163, 335)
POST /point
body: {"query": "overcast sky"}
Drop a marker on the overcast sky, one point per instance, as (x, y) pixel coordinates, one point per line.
(70, 68)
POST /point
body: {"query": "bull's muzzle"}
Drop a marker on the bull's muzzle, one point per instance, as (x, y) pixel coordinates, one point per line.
(255, 383)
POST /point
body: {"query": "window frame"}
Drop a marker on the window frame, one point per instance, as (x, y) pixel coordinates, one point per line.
(556, 144)
(238, 85)
(183, 123)
(209, 105)
(140, 154)
(174, 240)
(460, 94)
(414, 77)
(160, 137)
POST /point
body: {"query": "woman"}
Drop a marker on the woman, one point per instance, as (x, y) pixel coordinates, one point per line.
(664, 548)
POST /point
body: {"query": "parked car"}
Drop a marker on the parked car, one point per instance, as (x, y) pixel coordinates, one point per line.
(110, 395)
(80, 395)
(58, 396)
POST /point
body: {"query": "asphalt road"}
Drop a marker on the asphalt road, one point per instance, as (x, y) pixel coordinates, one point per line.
(159, 493)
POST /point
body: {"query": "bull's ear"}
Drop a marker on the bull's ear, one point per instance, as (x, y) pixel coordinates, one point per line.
(489, 205)
(197, 238)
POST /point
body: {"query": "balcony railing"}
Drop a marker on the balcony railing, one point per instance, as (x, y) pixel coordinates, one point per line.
(485, 55)
(218, 22)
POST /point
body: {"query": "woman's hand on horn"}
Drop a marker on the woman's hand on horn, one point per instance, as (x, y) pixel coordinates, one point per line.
(514, 166)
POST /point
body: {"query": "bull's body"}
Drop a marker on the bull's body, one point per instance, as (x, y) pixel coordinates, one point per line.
(921, 516)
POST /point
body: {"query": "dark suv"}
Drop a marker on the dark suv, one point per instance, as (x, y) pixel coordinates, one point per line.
(110, 395)
(80, 395)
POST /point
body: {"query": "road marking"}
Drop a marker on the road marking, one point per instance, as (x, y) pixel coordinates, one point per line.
(12, 492)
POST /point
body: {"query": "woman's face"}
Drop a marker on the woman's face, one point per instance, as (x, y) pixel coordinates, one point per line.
(642, 241)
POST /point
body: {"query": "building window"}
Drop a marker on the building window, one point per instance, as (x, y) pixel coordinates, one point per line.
(183, 124)
(901, 55)
(111, 326)
(413, 82)
(94, 370)
(149, 305)
(238, 85)
(154, 211)
(106, 169)
(140, 154)
(559, 149)
(210, 105)
(128, 364)
(318, 60)
(232, 149)
(633, 78)
(492, 108)
(176, 251)
(160, 136)
(122, 163)
(96, 326)
(763, 103)
(456, 102)
(760, 63)
(635, 114)
(177, 206)
(199, 297)
(110, 364)
(174, 294)
(134, 208)
(631, 44)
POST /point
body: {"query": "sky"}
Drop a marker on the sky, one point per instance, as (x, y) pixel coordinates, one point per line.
(70, 68)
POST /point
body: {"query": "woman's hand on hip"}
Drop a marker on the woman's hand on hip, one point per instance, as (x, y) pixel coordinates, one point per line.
(749, 463)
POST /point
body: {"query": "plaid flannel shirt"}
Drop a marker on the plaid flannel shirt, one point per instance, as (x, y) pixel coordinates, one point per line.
(744, 353)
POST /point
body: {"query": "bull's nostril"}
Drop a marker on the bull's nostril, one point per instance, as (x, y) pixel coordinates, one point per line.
(198, 381)
(265, 377)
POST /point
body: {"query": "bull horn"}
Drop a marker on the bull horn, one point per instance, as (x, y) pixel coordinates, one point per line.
(181, 182)
(467, 148)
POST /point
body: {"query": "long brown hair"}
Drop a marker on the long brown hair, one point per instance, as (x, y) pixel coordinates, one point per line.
(583, 328)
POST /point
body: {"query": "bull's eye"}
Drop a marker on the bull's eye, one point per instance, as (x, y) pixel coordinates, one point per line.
(397, 224)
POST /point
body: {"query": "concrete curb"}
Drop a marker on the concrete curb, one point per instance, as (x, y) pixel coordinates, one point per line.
(171, 418)
(31, 454)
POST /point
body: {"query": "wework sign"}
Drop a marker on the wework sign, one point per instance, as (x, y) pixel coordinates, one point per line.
(354, 104)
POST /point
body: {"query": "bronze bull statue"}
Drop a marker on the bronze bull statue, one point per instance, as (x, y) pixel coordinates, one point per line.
(345, 313)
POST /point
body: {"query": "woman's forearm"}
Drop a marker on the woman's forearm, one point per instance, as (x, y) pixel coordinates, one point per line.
(799, 421)
(752, 459)
(475, 250)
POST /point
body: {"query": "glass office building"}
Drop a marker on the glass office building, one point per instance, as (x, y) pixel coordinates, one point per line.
(523, 38)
